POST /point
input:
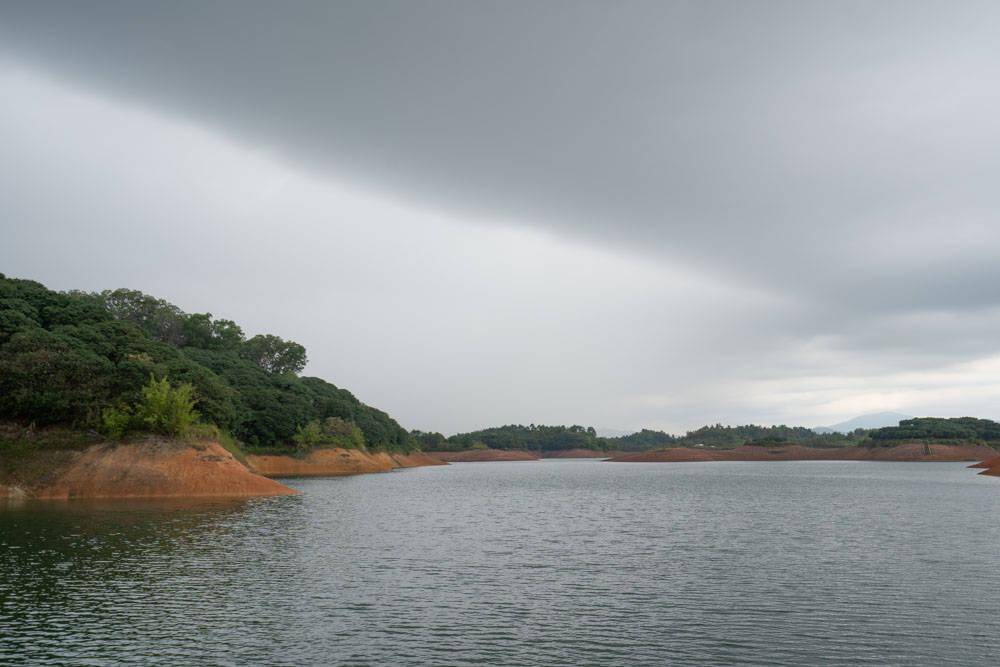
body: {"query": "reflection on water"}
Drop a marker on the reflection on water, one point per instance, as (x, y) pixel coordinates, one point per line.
(557, 562)
(93, 579)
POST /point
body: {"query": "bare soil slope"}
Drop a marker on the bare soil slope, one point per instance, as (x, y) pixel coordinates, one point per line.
(991, 462)
(336, 463)
(476, 455)
(574, 454)
(417, 459)
(152, 468)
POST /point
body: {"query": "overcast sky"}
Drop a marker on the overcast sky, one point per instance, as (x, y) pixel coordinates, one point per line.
(623, 214)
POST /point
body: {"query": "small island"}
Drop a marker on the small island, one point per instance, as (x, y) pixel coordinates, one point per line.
(926, 439)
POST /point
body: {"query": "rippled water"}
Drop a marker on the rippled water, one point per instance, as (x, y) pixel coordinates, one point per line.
(551, 563)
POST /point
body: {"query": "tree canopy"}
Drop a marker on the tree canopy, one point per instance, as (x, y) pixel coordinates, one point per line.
(967, 429)
(65, 357)
(532, 437)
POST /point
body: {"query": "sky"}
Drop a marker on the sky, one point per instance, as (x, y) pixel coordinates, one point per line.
(620, 214)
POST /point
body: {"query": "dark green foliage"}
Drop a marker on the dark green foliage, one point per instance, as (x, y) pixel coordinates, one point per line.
(725, 437)
(641, 441)
(331, 432)
(77, 359)
(728, 437)
(535, 438)
(50, 377)
(274, 355)
(380, 430)
(429, 442)
(160, 320)
(200, 330)
(268, 408)
(546, 438)
(968, 429)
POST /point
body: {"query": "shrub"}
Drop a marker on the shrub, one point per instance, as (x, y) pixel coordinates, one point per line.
(343, 433)
(116, 422)
(167, 409)
(308, 436)
(332, 432)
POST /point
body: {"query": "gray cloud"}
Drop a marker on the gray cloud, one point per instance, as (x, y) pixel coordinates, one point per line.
(837, 162)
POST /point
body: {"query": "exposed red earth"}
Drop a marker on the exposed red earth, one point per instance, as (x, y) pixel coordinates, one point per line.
(336, 462)
(153, 468)
(988, 463)
(158, 467)
(477, 455)
(416, 460)
(991, 465)
(575, 454)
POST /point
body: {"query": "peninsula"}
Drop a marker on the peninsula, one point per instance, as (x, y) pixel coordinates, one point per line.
(121, 394)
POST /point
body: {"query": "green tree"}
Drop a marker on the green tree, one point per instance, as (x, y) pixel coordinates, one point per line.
(535, 437)
(158, 318)
(200, 330)
(429, 441)
(274, 354)
(331, 432)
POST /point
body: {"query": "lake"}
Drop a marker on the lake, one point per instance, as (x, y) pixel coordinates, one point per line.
(559, 562)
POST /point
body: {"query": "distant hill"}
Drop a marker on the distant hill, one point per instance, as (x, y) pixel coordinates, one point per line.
(875, 420)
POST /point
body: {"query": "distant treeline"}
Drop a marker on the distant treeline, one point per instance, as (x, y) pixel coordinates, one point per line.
(965, 429)
(725, 437)
(80, 359)
(515, 436)
(548, 438)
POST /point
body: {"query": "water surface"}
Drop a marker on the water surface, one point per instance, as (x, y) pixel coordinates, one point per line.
(557, 562)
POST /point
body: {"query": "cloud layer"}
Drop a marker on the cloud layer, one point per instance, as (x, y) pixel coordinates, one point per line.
(643, 214)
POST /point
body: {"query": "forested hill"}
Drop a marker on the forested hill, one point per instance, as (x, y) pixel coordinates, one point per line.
(516, 436)
(549, 438)
(937, 429)
(923, 429)
(75, 358)
(718, 436)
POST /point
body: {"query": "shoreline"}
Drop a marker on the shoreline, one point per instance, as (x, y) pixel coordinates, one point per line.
(484, 455)
(577, 454)
(158, 467)
(991, 465)
(336, 462)
(152, 468)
